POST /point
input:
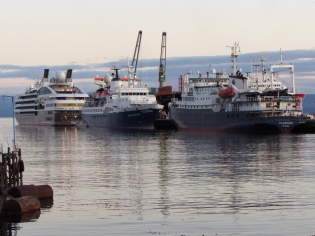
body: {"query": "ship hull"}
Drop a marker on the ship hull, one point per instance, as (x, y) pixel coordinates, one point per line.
(135, 119)
(207, 120)
(49, 118)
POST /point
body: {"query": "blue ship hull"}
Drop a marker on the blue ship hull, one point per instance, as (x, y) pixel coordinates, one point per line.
(137, 119)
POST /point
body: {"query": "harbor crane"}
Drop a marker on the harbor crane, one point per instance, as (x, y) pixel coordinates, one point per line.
(136, 53)
(162, 67)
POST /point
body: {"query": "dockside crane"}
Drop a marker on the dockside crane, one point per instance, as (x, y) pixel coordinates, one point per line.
(164, 93)
(136, 53)
(162, 67)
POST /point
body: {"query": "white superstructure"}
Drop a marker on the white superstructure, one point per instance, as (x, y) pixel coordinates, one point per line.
(54, 101)
(121, 102)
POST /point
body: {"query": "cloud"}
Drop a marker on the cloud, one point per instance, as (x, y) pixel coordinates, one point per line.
(14, 78)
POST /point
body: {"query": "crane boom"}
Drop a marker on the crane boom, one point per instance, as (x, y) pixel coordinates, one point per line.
(136, 53)
(162, 67)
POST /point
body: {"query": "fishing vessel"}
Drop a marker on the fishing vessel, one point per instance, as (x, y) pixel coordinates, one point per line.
(120, 102)
(54, 101)
(222, 102)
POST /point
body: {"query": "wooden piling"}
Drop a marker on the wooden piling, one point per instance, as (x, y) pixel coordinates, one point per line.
(17, 198)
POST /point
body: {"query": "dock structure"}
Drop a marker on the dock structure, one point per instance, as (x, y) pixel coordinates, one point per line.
(11, 172)
(16, 198)
(12, 168)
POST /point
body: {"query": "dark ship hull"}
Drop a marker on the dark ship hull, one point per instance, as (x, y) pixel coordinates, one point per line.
(136, 119)
(207, 120)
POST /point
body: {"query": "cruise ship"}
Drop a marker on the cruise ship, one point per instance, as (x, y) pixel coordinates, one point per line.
(53, 102)
(120, 102)
(222, 102)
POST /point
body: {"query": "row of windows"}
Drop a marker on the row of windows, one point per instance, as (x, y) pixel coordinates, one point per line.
(67, 105)
(57, 98)
(44, 90)
(69, 98)
(28, 113)
(28, 96)
(25, 108)
(133, 94)
(99, 116)
(222, 115)
(24, 102)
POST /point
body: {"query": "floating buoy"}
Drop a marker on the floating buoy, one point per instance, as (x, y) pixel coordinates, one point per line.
(16, 206)
(39, 191)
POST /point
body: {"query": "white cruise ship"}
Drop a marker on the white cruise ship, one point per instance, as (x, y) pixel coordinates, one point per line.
(54, 101)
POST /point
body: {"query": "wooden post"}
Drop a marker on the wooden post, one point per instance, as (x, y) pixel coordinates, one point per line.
(20, 172)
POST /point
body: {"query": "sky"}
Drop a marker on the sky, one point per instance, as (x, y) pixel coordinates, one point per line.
(92, 36)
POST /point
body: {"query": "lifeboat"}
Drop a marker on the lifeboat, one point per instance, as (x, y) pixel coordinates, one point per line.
(98, 80)
(226, 93)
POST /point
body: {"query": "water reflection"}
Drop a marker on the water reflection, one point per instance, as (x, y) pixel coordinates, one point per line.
(161, 181)
(245, 170)
(9, 223)
(163, 166)
(8, 229)
(21, 218)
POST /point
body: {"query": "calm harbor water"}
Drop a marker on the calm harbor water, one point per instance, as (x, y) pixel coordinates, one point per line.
(124, 182)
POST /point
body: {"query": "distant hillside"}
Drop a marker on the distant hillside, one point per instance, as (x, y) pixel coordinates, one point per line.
(308, 104)
(6, 106)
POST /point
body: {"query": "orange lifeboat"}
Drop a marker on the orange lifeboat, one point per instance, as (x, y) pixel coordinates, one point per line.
(226, 93)
(98, 79)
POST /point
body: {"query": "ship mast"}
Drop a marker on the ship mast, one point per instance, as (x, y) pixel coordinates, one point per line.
(281, 65)
(235, 52)
(116, 78)
(263, 70)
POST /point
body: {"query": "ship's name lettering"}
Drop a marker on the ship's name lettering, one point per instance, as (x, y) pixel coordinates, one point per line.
(286, 123)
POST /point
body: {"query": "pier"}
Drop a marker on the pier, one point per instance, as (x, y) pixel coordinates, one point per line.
(16, 198)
